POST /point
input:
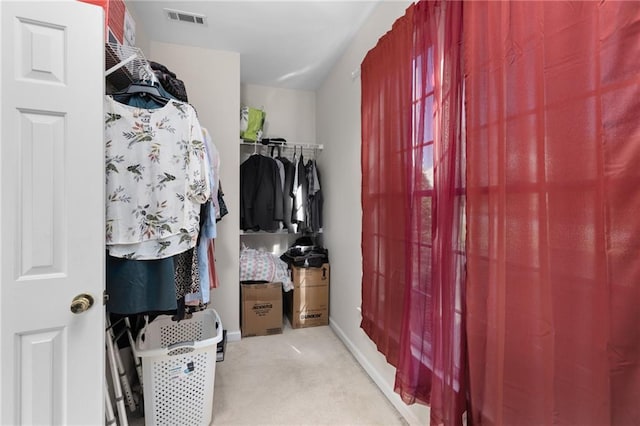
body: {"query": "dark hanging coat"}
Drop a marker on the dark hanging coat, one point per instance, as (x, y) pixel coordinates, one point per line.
(261, 205)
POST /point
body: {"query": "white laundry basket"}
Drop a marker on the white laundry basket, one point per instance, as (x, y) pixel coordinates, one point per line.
(179, 367)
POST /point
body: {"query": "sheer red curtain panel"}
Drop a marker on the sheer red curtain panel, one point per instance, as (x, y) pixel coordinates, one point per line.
(412, 200)
(553, 273)
(386, 75)
(432, 350)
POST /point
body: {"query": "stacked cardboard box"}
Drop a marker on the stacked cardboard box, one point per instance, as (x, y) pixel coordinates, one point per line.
(261, 309)
(307, 305)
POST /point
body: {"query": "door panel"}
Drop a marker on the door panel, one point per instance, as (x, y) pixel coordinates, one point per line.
(51, 212)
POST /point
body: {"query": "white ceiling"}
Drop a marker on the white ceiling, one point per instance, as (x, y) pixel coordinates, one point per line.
(287, 44)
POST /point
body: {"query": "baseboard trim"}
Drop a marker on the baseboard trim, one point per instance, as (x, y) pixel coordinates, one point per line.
(234, 336)
(375, 375)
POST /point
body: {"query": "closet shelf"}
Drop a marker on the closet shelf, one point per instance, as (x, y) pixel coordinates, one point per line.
(125, 64)
(279, 232)
(283, 146)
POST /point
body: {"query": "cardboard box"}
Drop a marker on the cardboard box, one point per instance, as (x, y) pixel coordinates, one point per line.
(261, 309)
(307, 305)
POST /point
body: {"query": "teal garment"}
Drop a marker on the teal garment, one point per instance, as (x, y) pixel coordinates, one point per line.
(137, 286)
(146, 102)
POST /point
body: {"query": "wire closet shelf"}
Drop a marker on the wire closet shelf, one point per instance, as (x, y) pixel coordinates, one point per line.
(126, 64)
(302, 148)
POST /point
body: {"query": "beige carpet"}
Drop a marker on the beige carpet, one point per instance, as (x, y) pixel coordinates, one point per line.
(301, 377)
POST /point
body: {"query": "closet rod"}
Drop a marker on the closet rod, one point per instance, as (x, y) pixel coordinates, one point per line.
(286, 145)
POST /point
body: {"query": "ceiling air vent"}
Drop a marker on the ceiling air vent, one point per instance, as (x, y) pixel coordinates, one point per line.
(189, 17)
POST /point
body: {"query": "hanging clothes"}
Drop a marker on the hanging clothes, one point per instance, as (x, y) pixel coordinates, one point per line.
(152, 285)
(156, 179)
(200, 295)
(300, 195)
(187, 273)
(287, 193)
(140, 286)
(213, 157)
(315, 200)
(208, 230)
(261, 206)
(223, 210)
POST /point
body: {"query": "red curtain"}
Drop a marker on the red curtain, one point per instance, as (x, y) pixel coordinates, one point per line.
(432, 351)
(412, 201)
(553, 154)
(386, 75)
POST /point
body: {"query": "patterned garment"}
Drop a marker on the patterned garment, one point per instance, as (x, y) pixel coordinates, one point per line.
(186, 273)
(156, 179)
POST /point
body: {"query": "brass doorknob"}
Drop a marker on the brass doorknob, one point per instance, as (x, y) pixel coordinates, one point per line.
(81, 303)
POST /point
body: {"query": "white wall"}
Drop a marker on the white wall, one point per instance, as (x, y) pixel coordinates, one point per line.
(338, 123)
(291, 114)
(212, 80)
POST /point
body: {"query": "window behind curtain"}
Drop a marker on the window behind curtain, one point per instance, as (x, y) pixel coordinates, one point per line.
(424, 250)
(432, 364)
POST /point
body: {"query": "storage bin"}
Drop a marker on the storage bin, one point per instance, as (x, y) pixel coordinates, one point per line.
(179, 367)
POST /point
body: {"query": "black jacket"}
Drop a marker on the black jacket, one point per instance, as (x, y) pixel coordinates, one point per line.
(260, 194)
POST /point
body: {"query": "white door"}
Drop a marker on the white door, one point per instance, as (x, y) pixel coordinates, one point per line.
(51, 212)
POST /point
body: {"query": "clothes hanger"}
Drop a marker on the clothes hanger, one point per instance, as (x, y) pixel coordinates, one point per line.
(143, 89)
(140, 87)
(279, 151)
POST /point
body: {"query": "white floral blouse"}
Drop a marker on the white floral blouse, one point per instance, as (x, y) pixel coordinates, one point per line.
(156, 179)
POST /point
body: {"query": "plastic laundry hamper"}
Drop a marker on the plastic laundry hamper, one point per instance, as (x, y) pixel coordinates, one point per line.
(179, 367)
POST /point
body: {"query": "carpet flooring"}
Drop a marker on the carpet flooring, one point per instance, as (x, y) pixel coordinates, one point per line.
(300, 377)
